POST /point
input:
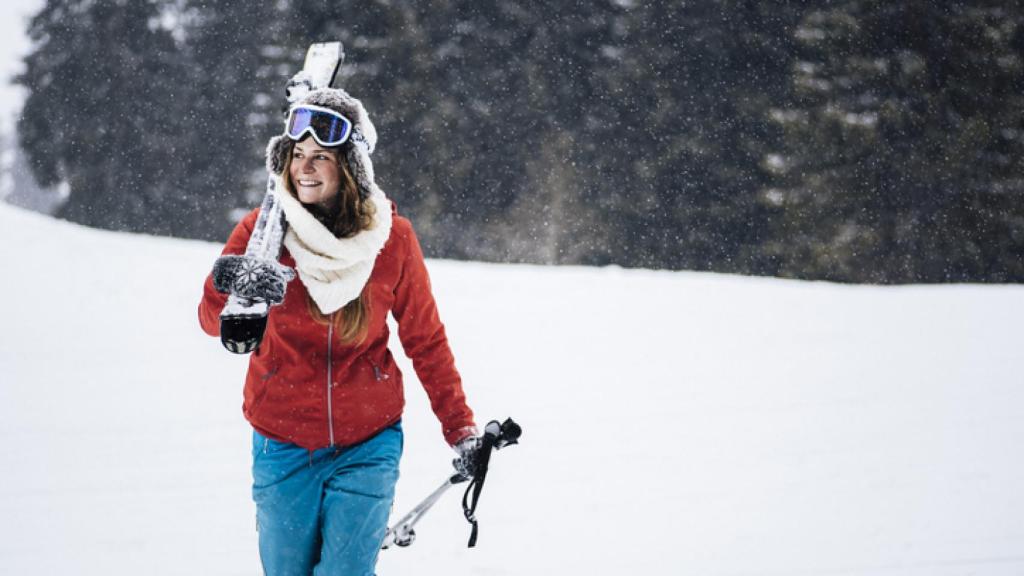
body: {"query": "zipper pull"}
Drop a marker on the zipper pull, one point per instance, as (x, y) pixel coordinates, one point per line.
(378, 374)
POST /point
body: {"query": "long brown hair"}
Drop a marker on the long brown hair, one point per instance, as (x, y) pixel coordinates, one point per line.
(349, 216)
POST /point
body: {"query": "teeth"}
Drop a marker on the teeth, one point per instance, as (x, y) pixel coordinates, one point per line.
(307, 183)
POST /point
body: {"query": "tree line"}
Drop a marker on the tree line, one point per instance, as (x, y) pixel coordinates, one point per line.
(846, 140)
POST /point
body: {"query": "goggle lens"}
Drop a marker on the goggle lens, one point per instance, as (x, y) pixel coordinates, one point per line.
(327, 126)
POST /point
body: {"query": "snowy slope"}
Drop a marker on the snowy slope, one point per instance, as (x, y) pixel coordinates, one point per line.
(674, 423)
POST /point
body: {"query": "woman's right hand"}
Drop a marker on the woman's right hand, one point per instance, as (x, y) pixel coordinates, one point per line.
(252, 278)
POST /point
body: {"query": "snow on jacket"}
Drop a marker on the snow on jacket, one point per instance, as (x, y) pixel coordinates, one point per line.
(305, 387)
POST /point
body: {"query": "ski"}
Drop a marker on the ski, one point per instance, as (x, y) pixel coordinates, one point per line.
(243, 320)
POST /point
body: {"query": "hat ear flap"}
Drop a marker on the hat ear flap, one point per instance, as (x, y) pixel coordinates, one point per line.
(357, 164)
(277, 153)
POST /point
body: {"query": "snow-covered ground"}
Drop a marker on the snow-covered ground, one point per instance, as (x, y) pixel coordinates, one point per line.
(674, 423)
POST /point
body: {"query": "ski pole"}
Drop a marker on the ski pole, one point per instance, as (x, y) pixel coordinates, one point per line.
(402, 533)
(496, 436)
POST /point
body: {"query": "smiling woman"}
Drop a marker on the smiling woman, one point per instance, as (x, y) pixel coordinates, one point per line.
(323, 392)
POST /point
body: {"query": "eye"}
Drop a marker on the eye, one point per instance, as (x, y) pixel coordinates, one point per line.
(322, 157)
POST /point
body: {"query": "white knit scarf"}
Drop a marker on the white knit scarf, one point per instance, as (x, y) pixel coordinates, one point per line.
(334, 270)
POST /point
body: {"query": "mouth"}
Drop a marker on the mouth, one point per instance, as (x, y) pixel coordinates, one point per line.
(308, 183)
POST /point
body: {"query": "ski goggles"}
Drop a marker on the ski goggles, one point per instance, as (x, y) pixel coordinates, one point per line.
(327, 127)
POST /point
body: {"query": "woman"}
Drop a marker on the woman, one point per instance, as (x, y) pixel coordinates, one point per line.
(323, 393)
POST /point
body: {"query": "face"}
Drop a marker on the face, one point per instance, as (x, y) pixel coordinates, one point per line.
(315, 173)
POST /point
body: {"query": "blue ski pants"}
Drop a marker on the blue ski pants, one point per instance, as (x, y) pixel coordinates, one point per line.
(324, 512)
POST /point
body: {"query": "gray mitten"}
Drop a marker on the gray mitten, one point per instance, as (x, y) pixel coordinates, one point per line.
(252, 278)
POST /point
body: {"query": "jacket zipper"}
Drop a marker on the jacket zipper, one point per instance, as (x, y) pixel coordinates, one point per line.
(330, 383)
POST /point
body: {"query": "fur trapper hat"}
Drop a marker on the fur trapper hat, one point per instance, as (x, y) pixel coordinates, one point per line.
(357, 149)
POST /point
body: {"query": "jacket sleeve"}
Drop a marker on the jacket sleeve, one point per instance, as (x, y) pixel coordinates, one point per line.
(423, 337)
(213, 302)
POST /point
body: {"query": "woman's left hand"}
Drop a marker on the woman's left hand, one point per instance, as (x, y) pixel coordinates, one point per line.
(467, 449)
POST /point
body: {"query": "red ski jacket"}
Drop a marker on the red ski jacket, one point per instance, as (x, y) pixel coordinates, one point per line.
(305, 387)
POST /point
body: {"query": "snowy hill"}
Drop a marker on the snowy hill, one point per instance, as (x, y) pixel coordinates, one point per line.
(674, 423)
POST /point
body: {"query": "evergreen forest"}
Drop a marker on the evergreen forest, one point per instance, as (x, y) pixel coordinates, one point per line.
(862, 141)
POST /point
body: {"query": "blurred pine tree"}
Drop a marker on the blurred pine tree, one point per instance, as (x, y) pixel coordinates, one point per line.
(903, 155)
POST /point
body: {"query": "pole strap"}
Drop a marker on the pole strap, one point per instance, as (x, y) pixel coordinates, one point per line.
(476, 485)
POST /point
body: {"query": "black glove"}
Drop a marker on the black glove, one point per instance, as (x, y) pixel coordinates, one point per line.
(252, 278)
(467, 449)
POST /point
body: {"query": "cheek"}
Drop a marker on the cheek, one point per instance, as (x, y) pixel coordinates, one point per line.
(333, 175)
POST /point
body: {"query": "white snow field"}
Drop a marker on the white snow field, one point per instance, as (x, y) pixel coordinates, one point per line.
(674, 423)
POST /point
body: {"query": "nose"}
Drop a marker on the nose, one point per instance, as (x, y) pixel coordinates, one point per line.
(304, 165)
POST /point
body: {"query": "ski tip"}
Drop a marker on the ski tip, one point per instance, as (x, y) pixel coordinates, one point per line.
(325, 50)
(323, 59)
